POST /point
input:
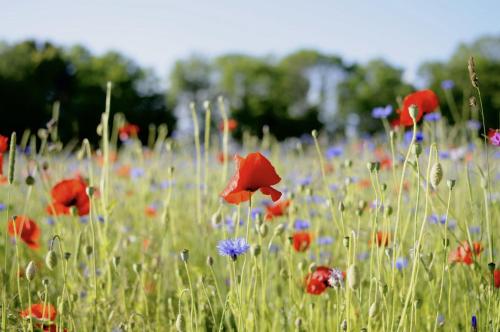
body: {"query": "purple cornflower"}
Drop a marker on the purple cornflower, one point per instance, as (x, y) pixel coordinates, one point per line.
(2, 206)
(324, 240)
(336, 278)
(301, 225)
(447, 84)
(401, 263)
(474, 323)
(432, 117)
(419, 137)
(334, 151)
(233, 247)
(382, 112)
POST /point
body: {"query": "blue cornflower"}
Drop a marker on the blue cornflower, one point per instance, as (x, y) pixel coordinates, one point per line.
(300, 224)
(447, 84)
(324, 240)
(474, 229)
(419, 137)
(136, 172)
(334, 151)
(233, 247)
(382, 112)
(432, 117)
(2, 206)
(473, 125)
(440, 320)
(474, 323)
(401, 263)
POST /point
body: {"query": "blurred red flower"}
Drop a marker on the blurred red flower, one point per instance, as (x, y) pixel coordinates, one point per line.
(301, 241)
(317, 281)
(232, 124)
(426, 101)
(496, 277)
(26, 229)
(494, 136)
(68, 194)
(40, 311)
(252, 173)
(3, 148)
(127, 130)
(277, 209)
(464, 254)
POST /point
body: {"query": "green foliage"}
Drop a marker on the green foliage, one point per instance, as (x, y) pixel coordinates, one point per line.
(33, 76)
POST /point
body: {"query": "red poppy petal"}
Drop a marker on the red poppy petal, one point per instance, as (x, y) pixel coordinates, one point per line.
(275, 194)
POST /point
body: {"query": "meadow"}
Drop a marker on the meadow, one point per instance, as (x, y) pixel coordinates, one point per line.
(391, 232)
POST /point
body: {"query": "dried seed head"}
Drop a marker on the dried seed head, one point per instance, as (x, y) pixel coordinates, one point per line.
(436, 174)
(51, 259)
(30, 271)
(471, 66)
(473, 103)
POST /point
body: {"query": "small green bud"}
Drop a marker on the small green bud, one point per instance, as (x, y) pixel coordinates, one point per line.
(185, 255)
(51, 259)
(255, 250)
(451, 183)
(210, 261)
(30, 180)
(137, 267)
(413, 111)
(30, 271)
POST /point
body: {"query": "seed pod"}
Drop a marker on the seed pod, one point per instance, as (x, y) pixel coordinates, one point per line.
(67, 255)
(312, 267)
(314, 133)
(343, 325)
(30, 271)
(374, 309)
(436, 174)
(116, 261)
(279, 229)
(30, 180)
(210, 261)
(263, 230)
(471, 66)
(341, 206)
(51, 259)
(417, 149)
(45, 282)
(12, 157)
(298, 323)
(451, 183)
(185, 255)
(352, 277)
(137, 268)
(255, 250)
(413, 111)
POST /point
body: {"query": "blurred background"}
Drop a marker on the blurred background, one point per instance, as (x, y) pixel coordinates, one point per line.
(293, 66)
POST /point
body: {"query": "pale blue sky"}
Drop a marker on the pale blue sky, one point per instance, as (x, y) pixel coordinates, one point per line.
(156, 33)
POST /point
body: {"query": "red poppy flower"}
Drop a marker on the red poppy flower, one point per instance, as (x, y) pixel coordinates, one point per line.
(150, 211)
(426, 101)
(301, 241)
(464, 254)
(494, 136)
(68, 194)
(40, 311)
(3, 147)
(252, 173)
(232, 124)
(382, 239)
(496, 277)
(317, 281)
(277, 210)
(128, 130)
(27, 229)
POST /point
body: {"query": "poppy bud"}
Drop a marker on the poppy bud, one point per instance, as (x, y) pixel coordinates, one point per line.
(383, 186)
(116, 261)
(484, 182)
(345, 241)
(343, 325)
(413, 111)
(314, 133)
(51, 259)
(417, 149)
(388, 210)
(446, 243)
(436, 174)
(491, 267)
(210, 261)
(179, 323)
(348, 163)
(137, 267)
(451, 183)
(90, 191)
(89, 250)
(362, 204)
(29, 180)
(185, 255)
(471, 66)
(298, 323)
(371, 166)
(341, 206)
(45, 282)
(279, 229)
(12, 158)
(67, 255)
(255, 250)
(263, 230)
(352, 277)
(312, 267)
(30, 271)
(374, 309)
(284, 273)
(258, 219)
(359, 212)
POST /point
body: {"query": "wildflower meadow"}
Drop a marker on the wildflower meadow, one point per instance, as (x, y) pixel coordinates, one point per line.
(397, 231)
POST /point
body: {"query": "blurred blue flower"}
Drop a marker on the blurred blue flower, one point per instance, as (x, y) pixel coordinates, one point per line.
(432, 117)
(136, 172)
(382, 112)
(474, 229)
(2, 206)
(324, 240)
(300, 224)
(401, 263)
(473, 125)
(233, 247)
(334, 151)
(419, 137)
(447, 84)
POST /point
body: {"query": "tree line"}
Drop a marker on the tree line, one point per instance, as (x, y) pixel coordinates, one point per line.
(291, 95)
